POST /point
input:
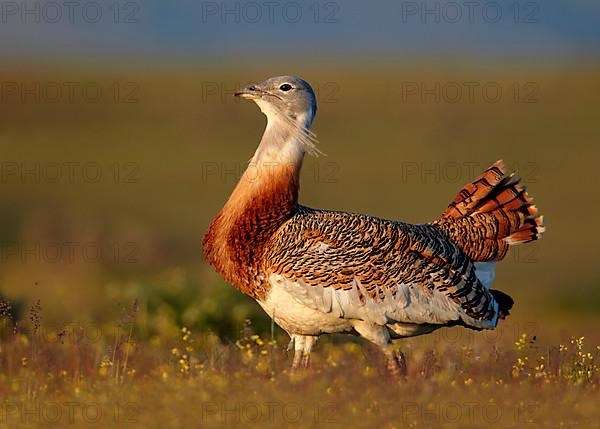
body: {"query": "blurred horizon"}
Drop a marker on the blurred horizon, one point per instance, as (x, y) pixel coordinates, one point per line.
(171, 148)
(524, 32)
(149, 105)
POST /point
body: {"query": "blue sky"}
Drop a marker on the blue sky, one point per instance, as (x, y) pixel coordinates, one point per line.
(229, 30)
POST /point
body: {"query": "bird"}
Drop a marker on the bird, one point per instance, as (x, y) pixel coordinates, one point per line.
(319, 271)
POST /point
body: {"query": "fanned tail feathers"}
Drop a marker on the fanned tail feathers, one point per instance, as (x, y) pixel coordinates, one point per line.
(491, 214)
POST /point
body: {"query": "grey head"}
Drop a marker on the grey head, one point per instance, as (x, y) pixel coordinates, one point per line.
(287, 95)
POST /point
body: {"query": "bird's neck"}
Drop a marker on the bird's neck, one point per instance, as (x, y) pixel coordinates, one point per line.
(271, 180)
(265, 197)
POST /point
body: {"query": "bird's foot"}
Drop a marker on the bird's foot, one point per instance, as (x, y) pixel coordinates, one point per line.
(396, 365)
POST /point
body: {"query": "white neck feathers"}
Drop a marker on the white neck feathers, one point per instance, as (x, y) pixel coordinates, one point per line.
(285, 139)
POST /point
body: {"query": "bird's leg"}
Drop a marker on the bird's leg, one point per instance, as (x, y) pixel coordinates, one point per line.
(309, 342)
(303, 345)
(298, 341)
(379, 335)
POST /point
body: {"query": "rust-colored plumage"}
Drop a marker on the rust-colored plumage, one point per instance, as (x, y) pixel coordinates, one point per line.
(236, 238)
(490, 214)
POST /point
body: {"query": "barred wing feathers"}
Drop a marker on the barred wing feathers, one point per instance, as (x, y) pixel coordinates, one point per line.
(381, 271)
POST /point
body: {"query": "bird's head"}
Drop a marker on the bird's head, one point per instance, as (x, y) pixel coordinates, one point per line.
(289, 96)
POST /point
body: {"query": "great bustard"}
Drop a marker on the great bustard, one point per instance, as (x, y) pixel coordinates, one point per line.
(317, 271)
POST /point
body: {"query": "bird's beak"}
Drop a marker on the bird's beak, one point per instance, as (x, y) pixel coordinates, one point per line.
(250, 92)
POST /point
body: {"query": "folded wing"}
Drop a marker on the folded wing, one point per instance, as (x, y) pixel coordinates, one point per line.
(360, 267)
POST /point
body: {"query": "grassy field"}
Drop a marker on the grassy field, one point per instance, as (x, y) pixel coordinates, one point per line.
(109, 180)
(86, 375)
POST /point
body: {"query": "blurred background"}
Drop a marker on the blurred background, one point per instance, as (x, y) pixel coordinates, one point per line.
(120, 139)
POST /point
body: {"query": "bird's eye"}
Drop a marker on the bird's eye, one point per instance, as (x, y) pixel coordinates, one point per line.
(285, 87)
